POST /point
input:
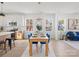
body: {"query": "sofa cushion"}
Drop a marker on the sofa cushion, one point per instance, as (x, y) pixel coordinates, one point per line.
(71, 34)
(77, 33)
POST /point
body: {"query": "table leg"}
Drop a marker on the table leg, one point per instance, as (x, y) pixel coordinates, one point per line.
(5, 47)
(46, 49)
(30, 48)
(37, 48)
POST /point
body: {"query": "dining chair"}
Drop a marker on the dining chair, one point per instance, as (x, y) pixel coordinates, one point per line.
(3, 41)
(48, 35)
(10, 39)
(29, 35)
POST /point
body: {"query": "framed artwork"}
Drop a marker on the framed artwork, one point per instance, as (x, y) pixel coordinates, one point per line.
(39, 24)
(61, 25)
(73, 24)
(29, 25)
(39, 21)
(48, 25)
(13, 23)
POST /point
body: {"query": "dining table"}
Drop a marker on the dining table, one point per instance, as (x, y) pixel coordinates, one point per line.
(38, 39)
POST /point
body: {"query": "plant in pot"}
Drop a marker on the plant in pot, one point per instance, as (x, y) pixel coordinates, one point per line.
(39, 28)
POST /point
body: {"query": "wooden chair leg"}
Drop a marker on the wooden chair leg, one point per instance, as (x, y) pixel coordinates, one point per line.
(5, 47)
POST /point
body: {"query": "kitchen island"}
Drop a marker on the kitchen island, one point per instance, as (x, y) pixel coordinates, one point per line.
(4, 35)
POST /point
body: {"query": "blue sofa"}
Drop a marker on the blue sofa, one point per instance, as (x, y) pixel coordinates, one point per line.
(74, 36)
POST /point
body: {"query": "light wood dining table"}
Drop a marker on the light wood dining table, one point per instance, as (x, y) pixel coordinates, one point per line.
(38, 39)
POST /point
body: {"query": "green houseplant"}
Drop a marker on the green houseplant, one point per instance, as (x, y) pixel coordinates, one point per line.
(39, 27)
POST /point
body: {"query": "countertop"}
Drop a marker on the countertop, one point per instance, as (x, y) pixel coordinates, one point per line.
(5, 33)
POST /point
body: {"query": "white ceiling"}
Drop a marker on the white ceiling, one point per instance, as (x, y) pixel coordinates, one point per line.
(44, 7)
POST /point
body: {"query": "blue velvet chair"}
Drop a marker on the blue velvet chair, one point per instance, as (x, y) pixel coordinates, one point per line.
(48, 35)
(29, 35)
(77, 33)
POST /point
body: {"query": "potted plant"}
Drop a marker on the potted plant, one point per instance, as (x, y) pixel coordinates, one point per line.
(39, 28)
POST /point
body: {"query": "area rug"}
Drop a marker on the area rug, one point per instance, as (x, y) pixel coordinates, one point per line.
(74, 44)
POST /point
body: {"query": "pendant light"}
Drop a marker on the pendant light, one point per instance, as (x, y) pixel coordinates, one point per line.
(1, 11)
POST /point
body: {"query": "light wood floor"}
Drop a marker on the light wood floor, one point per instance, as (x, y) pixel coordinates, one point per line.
(62, 49)
(57, 48)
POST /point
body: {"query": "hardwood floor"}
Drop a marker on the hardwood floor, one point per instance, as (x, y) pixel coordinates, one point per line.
(57, 48)
(62, 49)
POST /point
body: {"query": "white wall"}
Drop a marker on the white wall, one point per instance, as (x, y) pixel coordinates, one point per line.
(14, 18)
(58, 33)
(44, 18)
(65, 17)
(21, 21)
